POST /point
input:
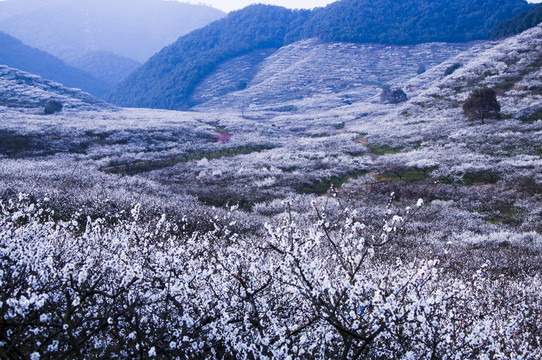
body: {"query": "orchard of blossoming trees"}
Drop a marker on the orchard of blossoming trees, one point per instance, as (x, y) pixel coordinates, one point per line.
(133, 233)
(83, 288)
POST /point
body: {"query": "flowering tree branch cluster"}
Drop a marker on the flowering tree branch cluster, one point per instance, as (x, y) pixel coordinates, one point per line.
(136, 289)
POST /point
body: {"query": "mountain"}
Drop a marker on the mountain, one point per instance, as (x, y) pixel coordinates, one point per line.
(15, 54)
(19, 89)
(169, 78)
(519, 23)
(131, 28)
(105, 66)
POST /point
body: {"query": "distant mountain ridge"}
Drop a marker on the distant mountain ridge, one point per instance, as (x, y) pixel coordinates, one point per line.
(105, 66)
(169, 78)
(15, 54)
(131, 28)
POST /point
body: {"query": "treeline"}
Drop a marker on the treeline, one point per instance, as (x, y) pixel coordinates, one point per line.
(168, 79)
(523, 21)
(410, 22)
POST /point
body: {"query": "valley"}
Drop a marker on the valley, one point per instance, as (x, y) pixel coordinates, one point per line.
(292, 213)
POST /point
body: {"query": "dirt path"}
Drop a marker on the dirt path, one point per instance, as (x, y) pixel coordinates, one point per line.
(361, 139)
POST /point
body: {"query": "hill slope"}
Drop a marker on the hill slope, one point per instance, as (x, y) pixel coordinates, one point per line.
(15, 54)
(170, 77)
(291, 79)
(19, 89)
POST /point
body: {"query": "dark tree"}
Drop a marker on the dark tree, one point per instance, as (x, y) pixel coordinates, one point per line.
(397, 96)
(421, 69)
(385, 94)
(53, 106)
(450, 69)
(393, 96)
(241, 85)
(521, 22)
(482, 104)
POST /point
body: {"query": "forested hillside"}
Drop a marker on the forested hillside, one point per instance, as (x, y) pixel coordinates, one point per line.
(15, 54)
(168, 79)
(409, 22)
(523, 21)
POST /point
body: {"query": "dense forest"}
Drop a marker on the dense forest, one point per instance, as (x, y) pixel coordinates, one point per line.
(168, 79)
(521, 22)
(14, 53)
(409, 22)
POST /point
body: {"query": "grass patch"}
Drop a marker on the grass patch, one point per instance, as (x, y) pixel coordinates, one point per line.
(511, 216)
(11, 143)
(382, 149)
(537, 115)
(406, 175)
(506, 85)
(146, 166)
(439, 98)
(480, 177)
(322, 187)
(285, 108)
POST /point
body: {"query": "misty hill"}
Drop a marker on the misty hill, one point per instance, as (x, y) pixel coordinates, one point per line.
(105, 66)
(19, 89)
(131, 28)
(169, 78)
(521, 22)
(15, 54)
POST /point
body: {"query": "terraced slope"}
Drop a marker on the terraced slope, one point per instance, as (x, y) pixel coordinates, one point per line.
(315, 74)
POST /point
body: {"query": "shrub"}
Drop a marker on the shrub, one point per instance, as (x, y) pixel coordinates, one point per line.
(393, 96)
(241, 85)
(397, 96)
(482, 104)
(450, 69)
(421, 69)
(385, 94)
(53, 106)
(325, 289)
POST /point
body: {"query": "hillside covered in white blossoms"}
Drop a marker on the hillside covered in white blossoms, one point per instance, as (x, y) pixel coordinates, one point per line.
(336, 224)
